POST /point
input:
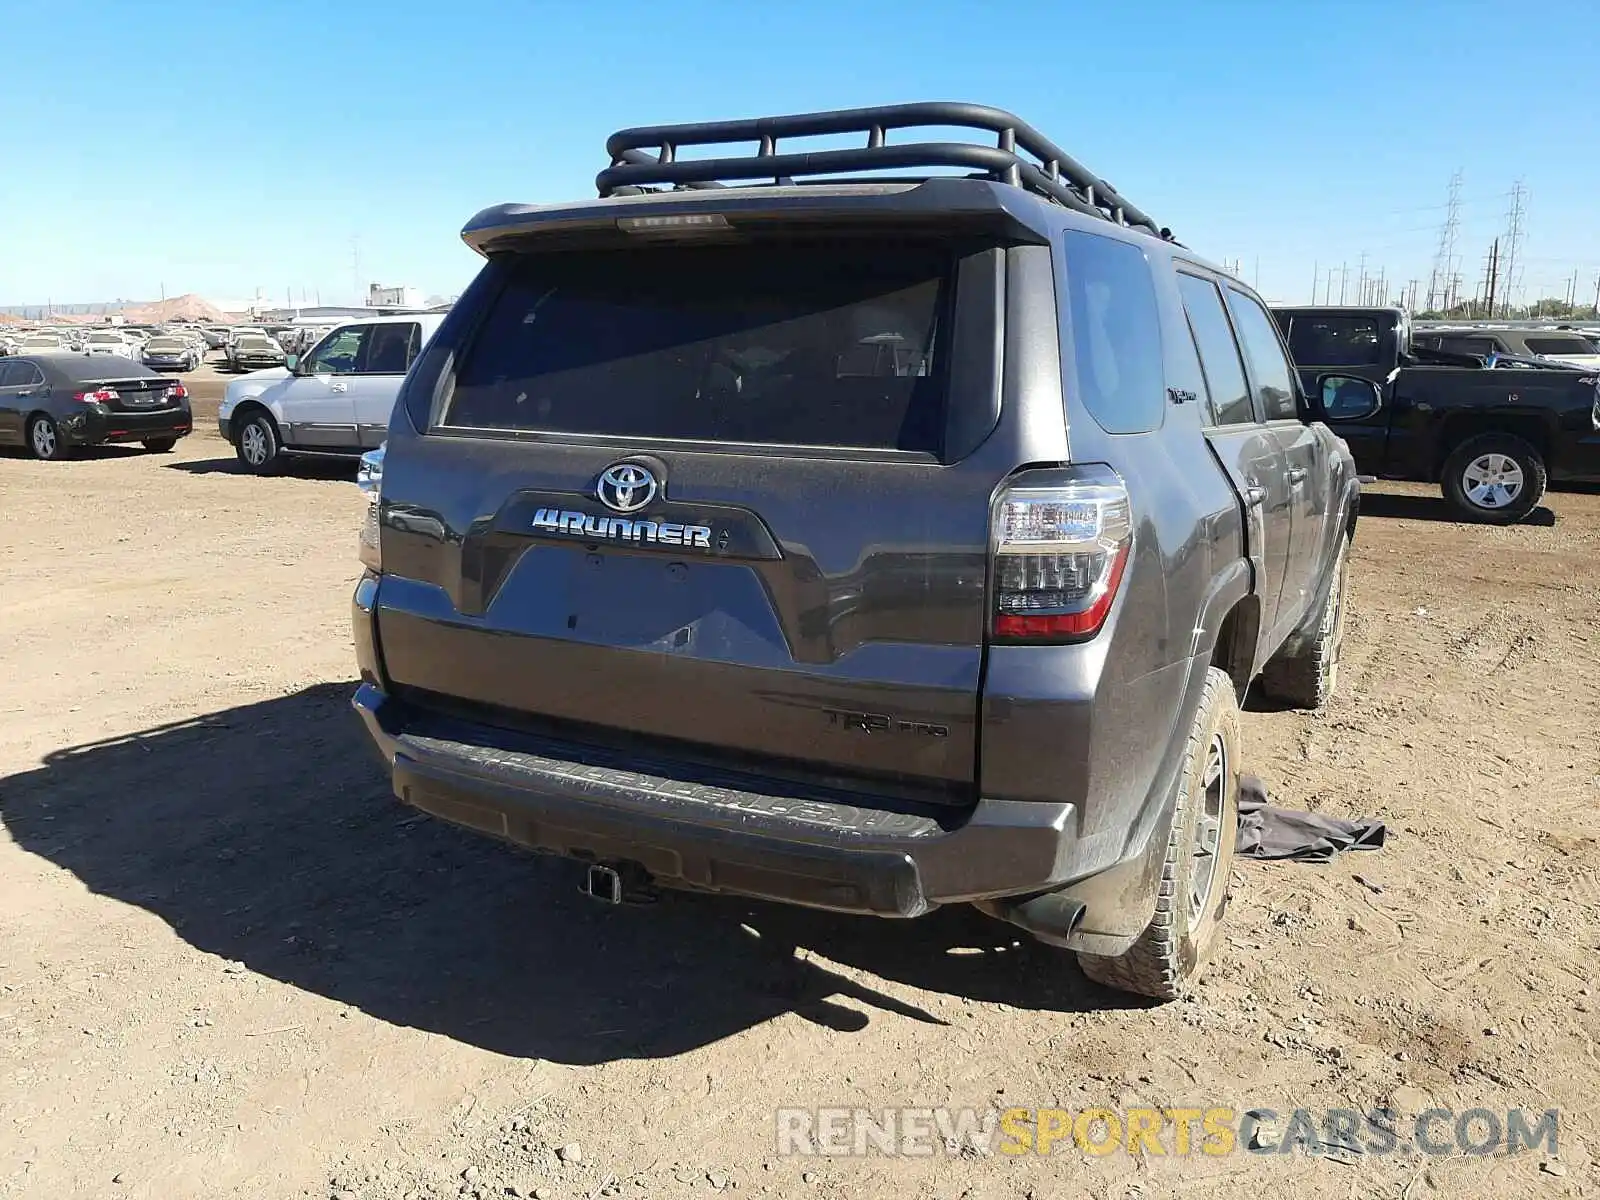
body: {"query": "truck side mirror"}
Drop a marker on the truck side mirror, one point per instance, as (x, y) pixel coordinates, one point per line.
(292, 361)
(1348, 398)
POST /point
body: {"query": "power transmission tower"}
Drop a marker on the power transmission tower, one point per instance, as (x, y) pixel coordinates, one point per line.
(1515, 231)
(1444, 259)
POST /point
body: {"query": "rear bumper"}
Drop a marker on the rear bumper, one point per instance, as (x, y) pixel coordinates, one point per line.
(711, 833)
(94, 428)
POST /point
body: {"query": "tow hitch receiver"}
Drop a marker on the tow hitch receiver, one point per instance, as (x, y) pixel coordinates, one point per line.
(618, 883)
(602, 883)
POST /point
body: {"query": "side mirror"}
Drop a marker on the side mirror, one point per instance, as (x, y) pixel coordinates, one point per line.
(292, 361)
(1348, 398)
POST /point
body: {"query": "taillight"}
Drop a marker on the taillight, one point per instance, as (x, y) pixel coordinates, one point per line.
(177, 392)
(99, 396)
(369, 478)
(1059, 553)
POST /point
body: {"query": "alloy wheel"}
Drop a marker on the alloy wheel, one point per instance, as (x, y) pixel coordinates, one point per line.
(1492, 480)
(1208, 829)
(44, 439)
(253, 444)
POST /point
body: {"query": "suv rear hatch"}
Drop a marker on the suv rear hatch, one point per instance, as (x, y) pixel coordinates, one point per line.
(714, 501)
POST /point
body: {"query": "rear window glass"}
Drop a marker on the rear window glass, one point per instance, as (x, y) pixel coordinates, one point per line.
(819, 344)
(1555, 347)
(1335, 342)
(1482, 347)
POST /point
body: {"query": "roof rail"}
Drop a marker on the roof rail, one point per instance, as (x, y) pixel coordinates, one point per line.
(648, 155)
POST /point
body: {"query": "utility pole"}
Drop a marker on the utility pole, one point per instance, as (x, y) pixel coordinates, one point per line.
(1361, 278)
(1344, 275)
(1316, 271)
(1515, 231)
(1597, 295)
(1494, 273)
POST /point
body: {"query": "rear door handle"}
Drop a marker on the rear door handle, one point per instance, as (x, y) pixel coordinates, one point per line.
(1297, 474)
(1255, 494)
(339, 387)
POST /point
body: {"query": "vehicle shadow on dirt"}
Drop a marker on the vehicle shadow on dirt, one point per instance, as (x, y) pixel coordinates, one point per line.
(1432, 508)
(303, 468)
(266, 834)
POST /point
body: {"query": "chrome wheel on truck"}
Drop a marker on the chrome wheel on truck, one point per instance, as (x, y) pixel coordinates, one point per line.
(1492, 480)
(1497, 478)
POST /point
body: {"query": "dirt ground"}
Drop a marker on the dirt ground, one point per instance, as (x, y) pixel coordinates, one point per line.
(231, 965)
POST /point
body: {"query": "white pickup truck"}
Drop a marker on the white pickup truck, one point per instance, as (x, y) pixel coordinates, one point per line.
(335, 400)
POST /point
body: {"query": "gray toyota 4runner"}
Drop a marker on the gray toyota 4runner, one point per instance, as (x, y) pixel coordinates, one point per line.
(774, 527)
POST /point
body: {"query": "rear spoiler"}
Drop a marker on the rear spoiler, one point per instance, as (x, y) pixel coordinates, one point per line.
(946, 204)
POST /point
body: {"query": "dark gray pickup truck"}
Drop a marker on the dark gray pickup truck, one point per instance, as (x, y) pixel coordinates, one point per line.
(870, 544)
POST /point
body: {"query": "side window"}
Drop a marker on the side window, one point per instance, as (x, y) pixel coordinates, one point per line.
(1334, 341)
(1219, 353)
(413, 346)
(29, 376)
(10, 373)
(386, 349)
(1116, 328)
(1482, 347)
(1275, 378)
(338, 353)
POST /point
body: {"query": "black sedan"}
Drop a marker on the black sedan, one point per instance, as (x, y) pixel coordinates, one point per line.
(53, 403)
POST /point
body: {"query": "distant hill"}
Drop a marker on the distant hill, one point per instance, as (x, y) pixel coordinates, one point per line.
(188, 307)
(143, 312)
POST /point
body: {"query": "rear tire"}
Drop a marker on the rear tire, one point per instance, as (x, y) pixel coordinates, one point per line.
(1495, 478)
(1307, 679)
(159, 445)
(44, 439)
(257, 443)
(1196, 874)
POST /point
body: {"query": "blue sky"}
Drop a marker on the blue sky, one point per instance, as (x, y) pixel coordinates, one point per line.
(223, 147)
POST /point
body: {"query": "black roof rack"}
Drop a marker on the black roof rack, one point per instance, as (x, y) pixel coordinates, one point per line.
(648, 155)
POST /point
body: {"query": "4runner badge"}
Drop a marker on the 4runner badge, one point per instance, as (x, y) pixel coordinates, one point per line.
(564, 522)
(623, 487)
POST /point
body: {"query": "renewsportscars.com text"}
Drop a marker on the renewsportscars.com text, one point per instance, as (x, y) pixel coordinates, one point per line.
(1178, 1131)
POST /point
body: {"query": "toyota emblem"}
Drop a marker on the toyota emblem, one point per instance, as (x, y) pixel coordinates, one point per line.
(626, 487)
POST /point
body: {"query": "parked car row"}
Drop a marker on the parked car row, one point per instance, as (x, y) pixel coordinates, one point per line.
(1567, 347)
